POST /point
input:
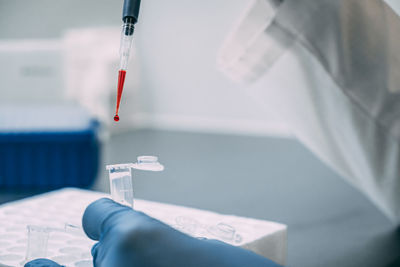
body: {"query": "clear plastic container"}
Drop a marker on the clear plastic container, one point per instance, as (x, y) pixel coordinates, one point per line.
(121, 188)
(37, 242)
(120, 176)
(38, 237)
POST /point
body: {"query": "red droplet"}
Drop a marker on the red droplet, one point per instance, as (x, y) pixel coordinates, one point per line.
(116, 118)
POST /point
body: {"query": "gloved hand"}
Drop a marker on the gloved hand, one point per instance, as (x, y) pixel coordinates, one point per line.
(42, 263)
(131, 238)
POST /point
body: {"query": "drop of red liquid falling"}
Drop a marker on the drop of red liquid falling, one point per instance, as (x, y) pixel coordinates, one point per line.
(116, 118)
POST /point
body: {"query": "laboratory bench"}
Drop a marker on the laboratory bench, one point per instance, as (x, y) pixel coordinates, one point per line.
(277, 179)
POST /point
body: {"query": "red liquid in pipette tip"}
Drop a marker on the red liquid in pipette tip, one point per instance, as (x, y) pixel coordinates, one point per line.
(121, 81)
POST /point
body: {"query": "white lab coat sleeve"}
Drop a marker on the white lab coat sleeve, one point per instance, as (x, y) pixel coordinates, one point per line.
(353, 126)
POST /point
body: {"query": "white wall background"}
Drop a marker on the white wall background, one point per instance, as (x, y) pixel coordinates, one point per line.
(178, 42)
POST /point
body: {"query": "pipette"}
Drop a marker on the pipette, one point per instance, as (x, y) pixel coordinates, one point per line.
(130, 16)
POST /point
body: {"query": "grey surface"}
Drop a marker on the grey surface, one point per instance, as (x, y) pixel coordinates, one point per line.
(330, 223)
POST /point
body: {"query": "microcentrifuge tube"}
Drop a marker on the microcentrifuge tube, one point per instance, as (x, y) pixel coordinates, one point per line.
(121, 188)
(225, 232)
(186, 225)
(120, 176)
(38, 237)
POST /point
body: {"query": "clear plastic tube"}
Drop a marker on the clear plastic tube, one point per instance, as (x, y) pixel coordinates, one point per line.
(126, 44)
(38, 237)
(120, 176)
(121, 188)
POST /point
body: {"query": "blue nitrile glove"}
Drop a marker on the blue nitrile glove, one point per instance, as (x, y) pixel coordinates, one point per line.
(42, 263)
(131, 238)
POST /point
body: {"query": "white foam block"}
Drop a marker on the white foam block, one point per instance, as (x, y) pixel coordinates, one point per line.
(56, 208)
